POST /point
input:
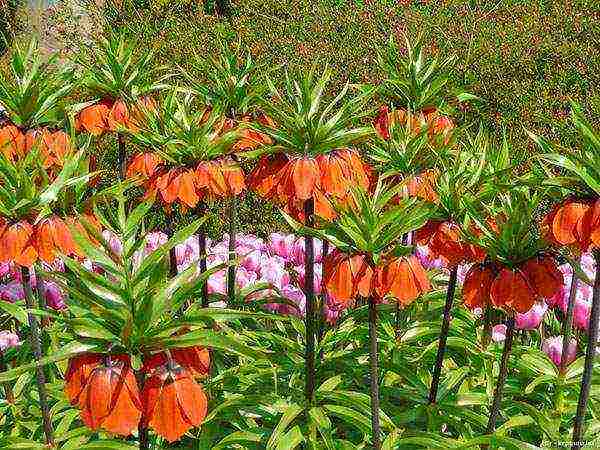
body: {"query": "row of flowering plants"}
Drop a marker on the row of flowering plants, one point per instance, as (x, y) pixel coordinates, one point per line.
(429, 298)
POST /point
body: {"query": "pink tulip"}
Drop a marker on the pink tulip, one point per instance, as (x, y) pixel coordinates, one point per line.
(532, 318)
(251, 257)
(499, 333)
(247, 240)
(553, 348)
(272, 270)
(154, 241)
(298, 253)
(12, 292)
(318, 283)
(581, 314)
(53, 295)
(282, 245)
(187, 252)
(8, 339)
(244, 278)
(113, 241)
(295, 295)
(422, 254)
(4, 269)
(217, 283)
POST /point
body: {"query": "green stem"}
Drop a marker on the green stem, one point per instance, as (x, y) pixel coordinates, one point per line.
(309, 292)
(37, 354)
(437, 370)
(590, 353)
(502, 375)
(374, 374)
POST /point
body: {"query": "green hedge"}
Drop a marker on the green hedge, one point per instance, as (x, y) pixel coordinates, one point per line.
(525, 59)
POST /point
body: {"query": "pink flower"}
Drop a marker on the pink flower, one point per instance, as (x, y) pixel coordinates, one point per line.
(581, 314)
(297, 296)
(154, 241)
(422, 254)
(187, 252)
(4, 269)
(8, 339)
(532, 318)
(113, 241)
(251, 257)
(244, 277)
(499, 333)
(553, 348)
(318, 283)
(53, 295)
(12, 292)
(248, 240)
(217, 283)
(272, 270)
(298, 250)
(282, 245)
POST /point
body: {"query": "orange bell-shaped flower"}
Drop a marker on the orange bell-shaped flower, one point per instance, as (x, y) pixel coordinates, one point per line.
(402, 278)
(347, 277)
(78, 372)
(173, 402)
(476, 287)
(94, 118)
(110, 399)
(17, 243)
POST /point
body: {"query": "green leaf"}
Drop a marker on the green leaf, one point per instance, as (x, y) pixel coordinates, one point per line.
(14, 310)
(291, 439)
(290, 413)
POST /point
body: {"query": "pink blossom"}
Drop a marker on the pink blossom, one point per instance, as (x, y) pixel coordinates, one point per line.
(298, 250)
(499, 333)
(250, 257)
(297, 296)
(422, 254)
(247, 240)
(53, 295)
(553, 348)
(187, 252)
(4, 269)
(154, 241)
(581, 314)
(12, 292)
(272, 270)
(113, 241)
(8, 339)
(282, 245)
(217, 283)
(318, 283)
(532, 318)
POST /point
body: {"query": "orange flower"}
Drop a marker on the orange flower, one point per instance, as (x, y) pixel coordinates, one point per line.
(437, 124)
(110, 399)
(17, 243)
(251, 139)
(543, 276)
(118, 116)
(94, 118)
(221, 178)
(566, 224)
(173, 402)
(423, 185)
(144, 165)
(52, 236)
(195, 359)
(511, 290)
(443, 240)
(12, 142)
(78, 372)
(476, 288)
(291, 181)
(403, 278)
(515, 290)
(346, 277)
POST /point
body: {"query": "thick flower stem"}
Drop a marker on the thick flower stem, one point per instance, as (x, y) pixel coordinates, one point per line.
(309, 292)
(121, 156)
(586, 381)
(568, 323)
(142, 430)
(173, 251)
(37, 354)
(437, 370)
(495, 410)
(231, 268)
(373, 358)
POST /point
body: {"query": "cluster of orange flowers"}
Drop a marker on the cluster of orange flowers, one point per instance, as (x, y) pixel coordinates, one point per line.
(53, 146)
(220, 178)
(112, 115)
(437, 125)
(517, 289)
(290, 181)
(24, 243)
(444, 241)
(574, 223)
(108, 394)
(346, 277)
